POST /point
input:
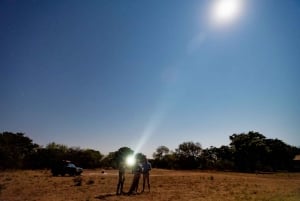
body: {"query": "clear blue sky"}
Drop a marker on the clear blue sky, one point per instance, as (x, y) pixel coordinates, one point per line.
(110, 73)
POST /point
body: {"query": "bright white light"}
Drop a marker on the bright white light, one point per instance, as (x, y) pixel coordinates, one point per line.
(152, 125)
(225, 11)
(130, 160)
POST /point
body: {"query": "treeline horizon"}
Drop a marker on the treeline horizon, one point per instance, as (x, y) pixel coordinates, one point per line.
(247, 152)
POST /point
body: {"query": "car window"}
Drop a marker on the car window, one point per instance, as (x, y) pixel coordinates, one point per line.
(71, 165)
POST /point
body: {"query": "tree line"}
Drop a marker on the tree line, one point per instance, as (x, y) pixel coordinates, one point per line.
(247, 152)
(18, 151)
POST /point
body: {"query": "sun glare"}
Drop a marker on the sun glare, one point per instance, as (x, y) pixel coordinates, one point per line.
(225, 11)
(130, 160)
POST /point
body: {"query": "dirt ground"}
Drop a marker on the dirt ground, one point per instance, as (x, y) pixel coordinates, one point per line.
(166, 185)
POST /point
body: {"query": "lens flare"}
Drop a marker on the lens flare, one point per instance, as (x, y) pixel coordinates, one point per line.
(165, 103)
(149, 130)
(130, 160)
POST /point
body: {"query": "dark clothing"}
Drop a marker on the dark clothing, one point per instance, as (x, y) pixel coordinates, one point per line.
(137, 170)
(121, 180)
(146, 169)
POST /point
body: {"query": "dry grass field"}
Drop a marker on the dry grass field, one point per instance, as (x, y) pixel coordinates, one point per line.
(165, 186)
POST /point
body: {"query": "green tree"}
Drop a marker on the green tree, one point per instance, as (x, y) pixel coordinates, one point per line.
(224, 158)
(188, 155)
(86, 158)
(122, 154)
(280, 155)
(54, 146)
(163, 158)
(109, 161)
(113, 158)
(55, 153)
(14, 148)
(161, 151)
(209, 158)
(249, 150)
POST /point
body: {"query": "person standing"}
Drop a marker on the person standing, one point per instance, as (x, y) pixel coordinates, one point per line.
(121, 181)
(146, 167)
(137, 170)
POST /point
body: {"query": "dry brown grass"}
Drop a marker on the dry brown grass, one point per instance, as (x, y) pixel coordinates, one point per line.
(165, 186)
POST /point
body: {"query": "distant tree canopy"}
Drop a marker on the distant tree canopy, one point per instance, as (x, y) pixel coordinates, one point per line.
(188, 155)
(113, 158)
(161, 151)
(163, 158)
(18, 151)
(14, 148)
(253, 151)
(247, 152)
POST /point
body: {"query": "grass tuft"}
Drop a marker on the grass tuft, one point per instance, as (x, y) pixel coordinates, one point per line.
(2, 187)
(90, 181)
(77, 181)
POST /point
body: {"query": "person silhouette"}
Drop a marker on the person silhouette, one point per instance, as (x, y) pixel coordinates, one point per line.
(137, 170)
(121, 181)
(146, 167)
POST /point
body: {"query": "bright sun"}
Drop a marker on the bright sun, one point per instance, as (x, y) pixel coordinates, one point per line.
(225, 11)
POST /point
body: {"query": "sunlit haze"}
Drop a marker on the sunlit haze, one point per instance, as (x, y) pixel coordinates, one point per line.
(226, 11)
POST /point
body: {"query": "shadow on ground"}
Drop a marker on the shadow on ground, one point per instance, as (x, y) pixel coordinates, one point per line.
(103, 196)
